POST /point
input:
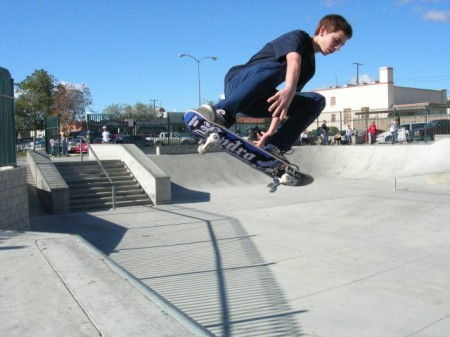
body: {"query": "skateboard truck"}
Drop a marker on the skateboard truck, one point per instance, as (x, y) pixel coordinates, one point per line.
(211, 140)
(286, 179)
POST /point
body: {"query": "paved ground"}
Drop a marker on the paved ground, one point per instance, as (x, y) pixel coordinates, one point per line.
(344, 256)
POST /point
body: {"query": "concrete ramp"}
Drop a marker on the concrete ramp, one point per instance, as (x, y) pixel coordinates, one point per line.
(380, 161)
(215, 169)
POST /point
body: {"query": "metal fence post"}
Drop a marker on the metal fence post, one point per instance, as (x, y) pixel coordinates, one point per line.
(7, 120)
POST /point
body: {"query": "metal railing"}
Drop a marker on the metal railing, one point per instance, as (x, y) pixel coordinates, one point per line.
(91, 151)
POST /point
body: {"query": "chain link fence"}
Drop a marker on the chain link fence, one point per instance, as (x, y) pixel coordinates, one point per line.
(170, 129)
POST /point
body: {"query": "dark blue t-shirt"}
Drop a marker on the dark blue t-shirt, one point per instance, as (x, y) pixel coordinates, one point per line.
(276, 51)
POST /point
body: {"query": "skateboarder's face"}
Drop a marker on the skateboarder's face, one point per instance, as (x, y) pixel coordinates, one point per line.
(331, 42)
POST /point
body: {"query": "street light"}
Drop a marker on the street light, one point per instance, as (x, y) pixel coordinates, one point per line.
(198, 71)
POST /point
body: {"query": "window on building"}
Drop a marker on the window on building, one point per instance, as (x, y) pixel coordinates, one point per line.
(332, 101)
(347, 116)
(333, 117)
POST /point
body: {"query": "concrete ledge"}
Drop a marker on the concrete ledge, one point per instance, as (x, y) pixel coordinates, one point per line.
(154, 181)
(52, 189)
(438, 178)
(440, 137)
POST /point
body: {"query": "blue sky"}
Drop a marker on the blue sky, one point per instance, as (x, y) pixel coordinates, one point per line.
(126, 51)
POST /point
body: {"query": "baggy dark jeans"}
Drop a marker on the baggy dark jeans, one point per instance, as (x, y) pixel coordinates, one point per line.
(247, 92)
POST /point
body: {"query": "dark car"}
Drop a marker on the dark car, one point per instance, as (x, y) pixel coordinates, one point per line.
(441, 126)
(435, 127)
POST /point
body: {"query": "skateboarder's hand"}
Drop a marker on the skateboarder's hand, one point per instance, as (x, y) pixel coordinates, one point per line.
(261, 141)
(280, 103)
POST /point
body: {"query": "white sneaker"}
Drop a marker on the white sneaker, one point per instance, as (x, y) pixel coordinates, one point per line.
(209, 113)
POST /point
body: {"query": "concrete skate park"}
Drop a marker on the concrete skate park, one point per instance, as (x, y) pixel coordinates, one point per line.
(363, 251)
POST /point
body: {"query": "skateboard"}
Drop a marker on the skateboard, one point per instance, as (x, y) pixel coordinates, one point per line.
(281, 171)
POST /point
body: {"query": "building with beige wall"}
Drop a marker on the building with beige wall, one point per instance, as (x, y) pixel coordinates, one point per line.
(348, 103)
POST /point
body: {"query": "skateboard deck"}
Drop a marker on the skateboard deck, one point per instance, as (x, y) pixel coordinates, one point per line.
(281, 171)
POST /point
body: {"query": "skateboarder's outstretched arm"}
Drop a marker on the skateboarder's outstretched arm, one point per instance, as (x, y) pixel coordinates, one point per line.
(272, 129)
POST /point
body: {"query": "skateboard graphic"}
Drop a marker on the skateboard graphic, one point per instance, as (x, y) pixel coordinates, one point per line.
(281, 171)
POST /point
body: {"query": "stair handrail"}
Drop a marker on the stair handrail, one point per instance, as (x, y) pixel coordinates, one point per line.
(91, 150)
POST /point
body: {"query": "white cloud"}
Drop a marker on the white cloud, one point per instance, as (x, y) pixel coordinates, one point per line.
(77, 86)
(363, 79)
(332, 3)
(434, 15)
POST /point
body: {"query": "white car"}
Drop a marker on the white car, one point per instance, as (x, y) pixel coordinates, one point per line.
(385, 137)
(404, 133)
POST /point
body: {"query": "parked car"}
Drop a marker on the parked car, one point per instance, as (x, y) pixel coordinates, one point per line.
(422, 132)
(435, 127)
(22, 144)
(362, 136)
(121, 138)
(440, 126)
(72, 144)
(174, 138)
(84, 147)
(410, 128)
(39, 144)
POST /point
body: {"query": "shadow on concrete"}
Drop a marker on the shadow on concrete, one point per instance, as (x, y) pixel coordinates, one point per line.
(204, 263)
(182, 195)
(103, 234)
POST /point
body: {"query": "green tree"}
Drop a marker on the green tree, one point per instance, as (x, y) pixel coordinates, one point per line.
(137, 111)
(114, 109)
(34, 101)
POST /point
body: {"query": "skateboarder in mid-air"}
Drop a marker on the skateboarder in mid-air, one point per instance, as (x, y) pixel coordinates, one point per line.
(251, 89)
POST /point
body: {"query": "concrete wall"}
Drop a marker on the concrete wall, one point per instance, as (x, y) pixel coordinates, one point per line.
(14, 199)
(51, 187)
(153, 180)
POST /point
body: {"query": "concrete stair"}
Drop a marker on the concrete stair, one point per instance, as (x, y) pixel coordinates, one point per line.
(90, 188)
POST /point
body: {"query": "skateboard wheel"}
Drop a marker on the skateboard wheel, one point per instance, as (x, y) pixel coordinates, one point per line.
(213, 138)
(272, 187)
(288, 180)
(201, 149)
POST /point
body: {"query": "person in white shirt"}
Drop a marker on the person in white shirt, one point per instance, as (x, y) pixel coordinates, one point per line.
(304, 138)
(348, 134)
(105, 135)
(394, 131)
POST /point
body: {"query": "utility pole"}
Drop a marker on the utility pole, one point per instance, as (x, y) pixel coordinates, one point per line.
(357, 71)
(154, 103)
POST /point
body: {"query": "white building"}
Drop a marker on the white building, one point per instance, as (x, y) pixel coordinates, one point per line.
(347, 104)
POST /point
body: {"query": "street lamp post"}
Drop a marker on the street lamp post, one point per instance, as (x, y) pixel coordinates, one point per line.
(198, 71)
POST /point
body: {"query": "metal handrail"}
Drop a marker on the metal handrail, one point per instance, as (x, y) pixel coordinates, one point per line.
(91, 150)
